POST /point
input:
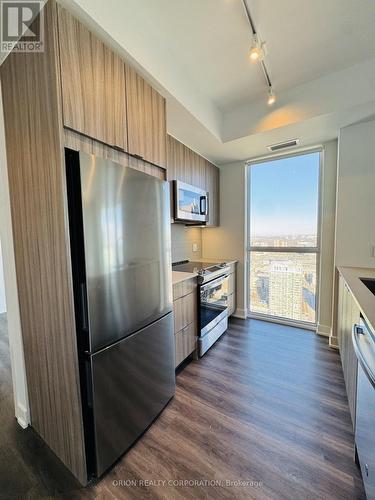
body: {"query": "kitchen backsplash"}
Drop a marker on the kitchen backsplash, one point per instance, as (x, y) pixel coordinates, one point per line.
(183, 239)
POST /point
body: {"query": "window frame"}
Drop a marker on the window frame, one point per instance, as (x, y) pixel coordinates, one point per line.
(316, 249)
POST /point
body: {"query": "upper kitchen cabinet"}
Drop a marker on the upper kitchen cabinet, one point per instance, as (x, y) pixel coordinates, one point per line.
(184, 164)
(146, 120)
(93, 84)
(177, 161)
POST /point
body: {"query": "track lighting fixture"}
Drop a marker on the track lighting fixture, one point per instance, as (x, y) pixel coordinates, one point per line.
(257, 53)
(257, 50)
(271, 97)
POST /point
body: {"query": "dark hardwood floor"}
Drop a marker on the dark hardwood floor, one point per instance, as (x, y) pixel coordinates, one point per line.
(263, 415)
(28, 468)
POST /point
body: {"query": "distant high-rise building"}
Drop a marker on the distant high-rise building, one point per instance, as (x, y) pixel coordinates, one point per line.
(285, 295)
(263, 289)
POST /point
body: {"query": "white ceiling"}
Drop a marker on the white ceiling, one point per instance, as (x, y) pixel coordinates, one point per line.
(320, 55)
(307, 39)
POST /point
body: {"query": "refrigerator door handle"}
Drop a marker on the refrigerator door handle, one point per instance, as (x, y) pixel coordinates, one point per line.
(84, 316)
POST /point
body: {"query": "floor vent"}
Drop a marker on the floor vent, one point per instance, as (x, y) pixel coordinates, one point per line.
(283, 145)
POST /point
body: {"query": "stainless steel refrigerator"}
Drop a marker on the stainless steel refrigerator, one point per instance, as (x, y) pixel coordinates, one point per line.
(119, 222)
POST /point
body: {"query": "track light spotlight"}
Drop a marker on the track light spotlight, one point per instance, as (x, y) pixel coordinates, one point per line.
(271, 97)
(257, 50)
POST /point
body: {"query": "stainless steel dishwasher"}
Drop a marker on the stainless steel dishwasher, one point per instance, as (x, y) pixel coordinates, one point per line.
(364, 346)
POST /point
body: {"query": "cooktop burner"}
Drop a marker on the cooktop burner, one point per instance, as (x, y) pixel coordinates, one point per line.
(191, 266)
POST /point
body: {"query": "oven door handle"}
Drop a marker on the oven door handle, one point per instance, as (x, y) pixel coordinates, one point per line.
(214, 282)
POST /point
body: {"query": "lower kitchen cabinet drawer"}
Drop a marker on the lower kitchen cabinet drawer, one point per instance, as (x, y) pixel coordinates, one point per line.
(185, 311)
(231, 303)
(184, 288)
(185, 343)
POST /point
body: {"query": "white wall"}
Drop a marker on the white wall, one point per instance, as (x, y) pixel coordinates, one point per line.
(14, 322)
(3, 306)
(182, 240)
(228, 240)
(355, 226)
(328, 210)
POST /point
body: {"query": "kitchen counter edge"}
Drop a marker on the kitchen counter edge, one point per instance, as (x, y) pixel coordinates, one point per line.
(362, 295)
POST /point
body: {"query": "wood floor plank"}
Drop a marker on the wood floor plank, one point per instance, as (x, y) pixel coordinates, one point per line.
(266, 406)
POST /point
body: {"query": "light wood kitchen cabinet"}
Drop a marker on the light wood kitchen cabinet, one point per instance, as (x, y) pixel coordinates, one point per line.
(107, 100)
(146, 115)
(185, 318)
(348, 314)
(184, 311)
(179, 161)
(183, 288)
(92, 84)
(187, 166)
(185, 343)
(232, 303)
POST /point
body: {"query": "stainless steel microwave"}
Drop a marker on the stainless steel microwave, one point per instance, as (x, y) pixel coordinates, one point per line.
(190, 203)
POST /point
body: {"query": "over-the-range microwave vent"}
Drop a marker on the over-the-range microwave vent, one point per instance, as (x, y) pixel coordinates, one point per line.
(283, 145)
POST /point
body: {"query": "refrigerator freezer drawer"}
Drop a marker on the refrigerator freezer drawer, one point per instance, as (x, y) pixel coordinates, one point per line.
(132, 381)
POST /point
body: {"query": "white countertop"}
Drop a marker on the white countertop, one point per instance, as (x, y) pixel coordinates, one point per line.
(362, 295)
(178, 276)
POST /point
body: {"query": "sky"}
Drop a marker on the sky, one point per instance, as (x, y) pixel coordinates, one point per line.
(284, 196)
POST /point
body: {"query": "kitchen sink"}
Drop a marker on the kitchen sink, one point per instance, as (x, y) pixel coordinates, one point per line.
(370, 283)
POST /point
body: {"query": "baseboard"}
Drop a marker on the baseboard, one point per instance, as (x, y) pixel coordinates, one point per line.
(240, 313)
(333, 342)
(22, 416)
(324, 330)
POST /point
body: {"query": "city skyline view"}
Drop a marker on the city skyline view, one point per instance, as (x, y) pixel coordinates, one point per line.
(284, 197)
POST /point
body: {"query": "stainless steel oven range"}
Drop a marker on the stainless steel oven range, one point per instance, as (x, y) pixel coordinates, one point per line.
(213, 281)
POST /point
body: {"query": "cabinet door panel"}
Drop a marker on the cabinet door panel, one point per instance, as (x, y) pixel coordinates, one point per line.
(348, 315)
(232, 283)
(93, 84)
(146, 120)
(184, 288)
(231, 303)
(175, 159)
(185, 343)
(185, 311)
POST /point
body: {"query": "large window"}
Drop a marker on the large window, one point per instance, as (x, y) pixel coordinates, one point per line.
(284, 237)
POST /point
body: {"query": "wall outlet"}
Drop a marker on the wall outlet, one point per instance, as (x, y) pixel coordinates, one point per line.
(195, 247)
